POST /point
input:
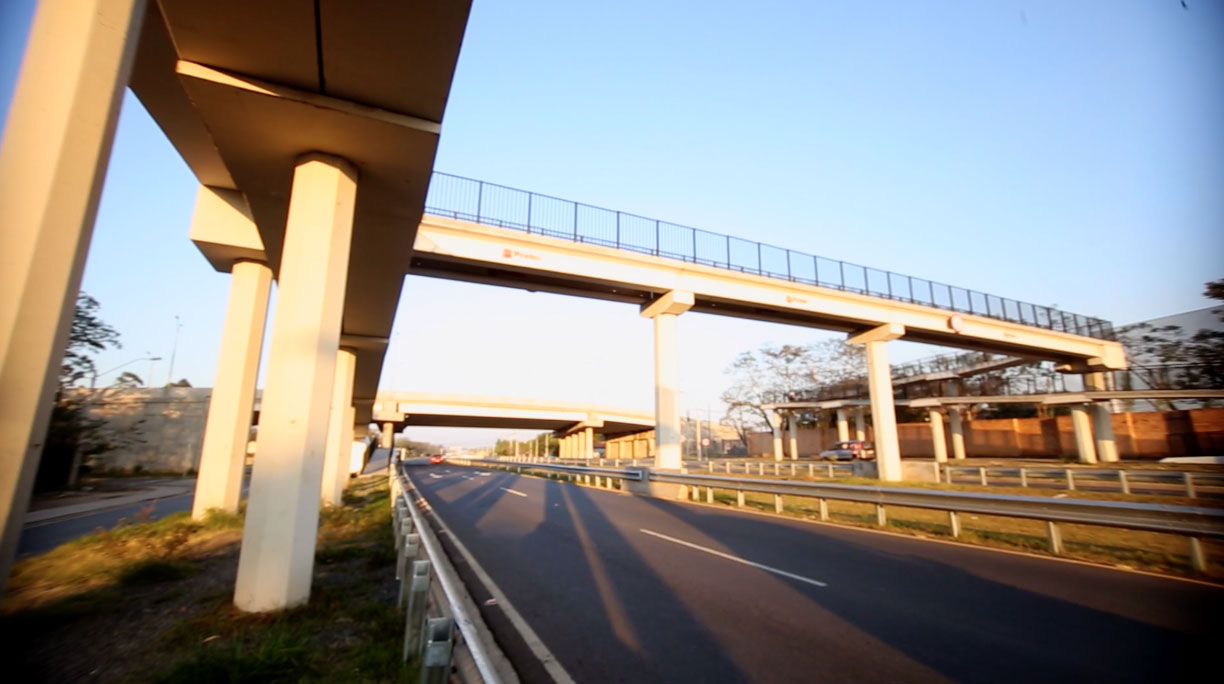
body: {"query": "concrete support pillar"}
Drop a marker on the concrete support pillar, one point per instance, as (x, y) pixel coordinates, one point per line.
(883, 411)
(1102, 423)
(937, 436)
(388, 436)
(55, 149)
(228, 428)
(957, 428)
(339, 430)
(664, 311)
(1102, 428)
(860, 420)
(588, 441)
(564, 443)
(278, 541)
(843, 426)
(1083, 434)
(775, 422)
(794, 436)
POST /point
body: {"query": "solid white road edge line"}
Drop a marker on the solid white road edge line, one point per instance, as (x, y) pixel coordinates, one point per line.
(512, 491)
(737, 559)
(533, 641)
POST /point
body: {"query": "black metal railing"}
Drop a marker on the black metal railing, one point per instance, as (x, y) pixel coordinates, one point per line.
(497, 205)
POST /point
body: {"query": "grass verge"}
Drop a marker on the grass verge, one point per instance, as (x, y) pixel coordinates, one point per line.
(152, 602)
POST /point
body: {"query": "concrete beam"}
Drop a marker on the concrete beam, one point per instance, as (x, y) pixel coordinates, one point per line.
(674, 302)
(880, 333)
(203, 73)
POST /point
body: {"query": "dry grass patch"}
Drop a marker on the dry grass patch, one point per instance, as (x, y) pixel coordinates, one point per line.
(152, 602)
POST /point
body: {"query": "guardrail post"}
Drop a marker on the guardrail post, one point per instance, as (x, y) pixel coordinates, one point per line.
(1023, 477)
(739, 498)
(777, 470)
(824, 509)
(778, 508)
(418, 596)
(830, 471)
(792, 465)
(1070, 480)
(709, 495)
(982, 476)
(811, 470)
(761, 471)
(437, 651)
(1055, 535)
(881, 516)
(1123, 482)
(412, 546)
(1197, 560)
(1189, 479)
(954, 523)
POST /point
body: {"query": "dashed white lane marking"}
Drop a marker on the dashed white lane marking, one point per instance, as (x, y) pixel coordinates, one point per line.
(512, 491)
(736, 559)
(435, 476)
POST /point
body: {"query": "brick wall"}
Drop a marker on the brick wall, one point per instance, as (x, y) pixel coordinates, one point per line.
(1138, 435)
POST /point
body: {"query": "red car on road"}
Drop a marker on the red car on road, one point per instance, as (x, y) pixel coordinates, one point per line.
(435, 459)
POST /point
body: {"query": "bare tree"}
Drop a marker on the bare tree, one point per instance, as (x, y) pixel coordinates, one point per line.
(773, 373)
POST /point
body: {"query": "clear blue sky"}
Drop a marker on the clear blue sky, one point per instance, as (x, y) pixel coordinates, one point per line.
(1067, 153)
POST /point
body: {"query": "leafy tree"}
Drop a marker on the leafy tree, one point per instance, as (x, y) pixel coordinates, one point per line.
(72, 435)
(1168, 357)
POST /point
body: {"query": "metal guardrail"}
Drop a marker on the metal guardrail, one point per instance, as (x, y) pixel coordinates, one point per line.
(1191, 522)
(430, 639)
(1189, 481)
(497, 205)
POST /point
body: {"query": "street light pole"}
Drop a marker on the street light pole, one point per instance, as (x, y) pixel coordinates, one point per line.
(173, 350)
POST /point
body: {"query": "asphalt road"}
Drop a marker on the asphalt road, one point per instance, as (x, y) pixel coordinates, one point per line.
(44, 536)
(631, 589)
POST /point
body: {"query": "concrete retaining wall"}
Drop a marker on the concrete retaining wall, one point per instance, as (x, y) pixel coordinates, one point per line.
(155, 429)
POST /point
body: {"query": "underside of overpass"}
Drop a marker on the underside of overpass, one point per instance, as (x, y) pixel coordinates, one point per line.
(562, 418)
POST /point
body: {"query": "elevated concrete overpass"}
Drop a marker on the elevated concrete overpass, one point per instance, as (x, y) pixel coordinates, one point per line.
(312, 129)
(574, 424)
(452, 410)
